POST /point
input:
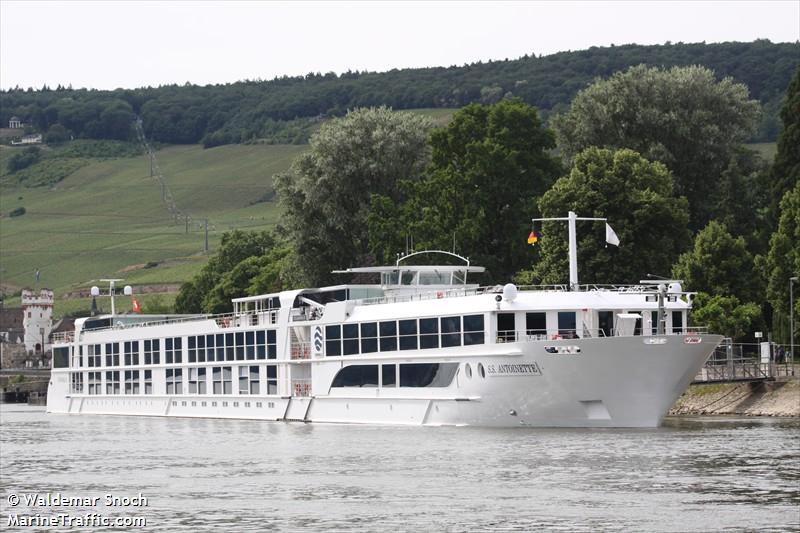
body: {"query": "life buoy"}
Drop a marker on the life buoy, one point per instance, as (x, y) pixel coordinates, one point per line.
(440, 294)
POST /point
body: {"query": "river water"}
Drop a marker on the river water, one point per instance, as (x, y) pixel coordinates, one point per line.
(693, 474)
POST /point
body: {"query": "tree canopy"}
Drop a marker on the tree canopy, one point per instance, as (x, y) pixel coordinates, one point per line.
(637, 198)
(327, 191)
(682, 117)
(488, 168)
(786, 169)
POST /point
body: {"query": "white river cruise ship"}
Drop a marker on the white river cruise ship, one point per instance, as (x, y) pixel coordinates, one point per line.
(422, 347)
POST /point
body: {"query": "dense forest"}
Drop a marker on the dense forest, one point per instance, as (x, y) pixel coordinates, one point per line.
(286, 109)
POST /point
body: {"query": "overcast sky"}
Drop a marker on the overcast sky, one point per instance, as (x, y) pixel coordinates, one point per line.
(132, 44)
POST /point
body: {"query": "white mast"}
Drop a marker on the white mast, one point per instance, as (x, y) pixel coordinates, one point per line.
(573, 244)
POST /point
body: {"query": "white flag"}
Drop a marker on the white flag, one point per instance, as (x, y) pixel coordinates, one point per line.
(611, 237)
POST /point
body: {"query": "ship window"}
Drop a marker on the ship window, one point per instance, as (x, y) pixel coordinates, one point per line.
(349, 339)
(272, 379)
(434, 278)
(219, 348)
(77, 359)
(429, 333)
(60, 357)
(95, 357)
(227, 380)
(240, 346)
(451, 331)
(369, 337)
(112, 382)
(255, 386)
(677, 322)
(152, 352)
(272, 347)
(177, 348)
(174, 381)
(408, 334)
(388, 336)
(77, 383)
(333, 340)
(208, 355)
(407, 277)
(148, 382)
(389, 375)
(244, 380)
(566, 324)
(261, 345)
(229, 347)
(94, 383)
(250, 345)
(193, 378)
(536, 324)
(192, 350)
(131, 382)
(357, 376)
(473, 330)
(427, 374)
(216, 377)
(637, 328)
(654, 322)
(112, 354)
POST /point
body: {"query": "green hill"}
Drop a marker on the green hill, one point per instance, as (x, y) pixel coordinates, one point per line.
(107, 219)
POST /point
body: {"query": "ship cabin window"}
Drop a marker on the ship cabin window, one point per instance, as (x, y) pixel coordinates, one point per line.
(333, 340)
(112, 382)
(369, 337)
(148, 382)
(229, 347)
(506, 327)
(239, 335)
(637, 328)
(451, 331)
(388, 331)
(131, 351)
(536, 324)
(459, 277)
(76, 384)
(654, 322)
(96, 323)
(61, 357)
(112, 353)
(272, 379)
(428, 333)
(174, 381)
(388, 376)
(408, 334)
(272, 344)
(349, 339)
(152, 352)
(95, 386)
(173, 350)
(567, 325)
(94, 358)
(197, 380)
(77, 358)
(677, 322)
(473, 330)
(131, 382)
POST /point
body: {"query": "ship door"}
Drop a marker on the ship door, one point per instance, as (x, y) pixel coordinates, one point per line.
(605, 321)
(506, 327)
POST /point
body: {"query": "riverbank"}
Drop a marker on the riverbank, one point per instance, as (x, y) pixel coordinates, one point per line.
(770, 398)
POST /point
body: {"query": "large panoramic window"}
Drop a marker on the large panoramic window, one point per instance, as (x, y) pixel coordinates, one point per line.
(333, 340)
(112, 382)
(357, 376)
(94, 358)
(61, 357)
(427, 374)
(131, 350)
(95, 386)
(429, 333)
(350, 339)
(408, 334)
(132, 382)
(272, 379)
(451, 331)
(174, 381)
(152, 352)
(566, 324)
(536, 323)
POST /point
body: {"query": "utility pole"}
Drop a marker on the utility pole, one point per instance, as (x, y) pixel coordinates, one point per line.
(206, 247)
(187, 224)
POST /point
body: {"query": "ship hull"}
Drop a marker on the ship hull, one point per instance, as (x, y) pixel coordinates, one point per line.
(593, 382)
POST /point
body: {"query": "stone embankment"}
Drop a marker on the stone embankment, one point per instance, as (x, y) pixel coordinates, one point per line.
(766, 398)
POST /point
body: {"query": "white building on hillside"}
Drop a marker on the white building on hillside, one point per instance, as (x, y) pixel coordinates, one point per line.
(37, 319)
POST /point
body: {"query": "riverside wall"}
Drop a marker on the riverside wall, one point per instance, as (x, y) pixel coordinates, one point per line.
(764, 398)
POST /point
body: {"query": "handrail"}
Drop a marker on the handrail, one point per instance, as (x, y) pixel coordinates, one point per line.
(528, 335)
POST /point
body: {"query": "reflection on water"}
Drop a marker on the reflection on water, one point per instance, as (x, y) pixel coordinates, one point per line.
(693, 474)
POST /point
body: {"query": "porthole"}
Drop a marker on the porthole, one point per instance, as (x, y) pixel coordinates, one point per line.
(468, 370)
(481, 371)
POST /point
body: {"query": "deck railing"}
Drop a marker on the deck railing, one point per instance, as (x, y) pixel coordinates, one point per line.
(527, 335)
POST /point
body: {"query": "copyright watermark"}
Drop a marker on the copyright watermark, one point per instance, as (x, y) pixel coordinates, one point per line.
(62, 510)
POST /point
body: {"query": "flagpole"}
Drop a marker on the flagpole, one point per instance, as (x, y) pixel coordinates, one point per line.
(573, 244)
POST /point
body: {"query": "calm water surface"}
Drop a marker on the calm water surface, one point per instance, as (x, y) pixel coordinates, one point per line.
(709, 474)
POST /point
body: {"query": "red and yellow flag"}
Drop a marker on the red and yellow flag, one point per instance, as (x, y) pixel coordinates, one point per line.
(136, 307)
(532, 237)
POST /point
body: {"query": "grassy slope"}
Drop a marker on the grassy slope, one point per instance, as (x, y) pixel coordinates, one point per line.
(108, 216)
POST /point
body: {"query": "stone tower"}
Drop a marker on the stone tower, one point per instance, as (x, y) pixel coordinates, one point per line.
(37, 319)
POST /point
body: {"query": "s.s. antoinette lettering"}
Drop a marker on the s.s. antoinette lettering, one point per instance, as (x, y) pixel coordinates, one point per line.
(529, 369)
